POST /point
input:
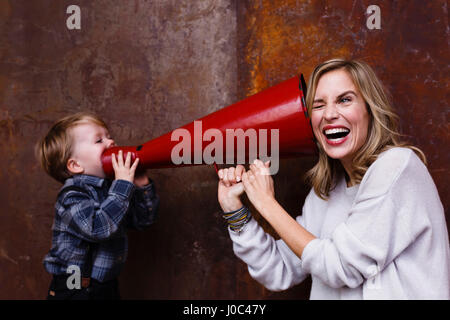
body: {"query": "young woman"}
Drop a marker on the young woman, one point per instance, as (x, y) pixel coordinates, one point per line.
(372, 227)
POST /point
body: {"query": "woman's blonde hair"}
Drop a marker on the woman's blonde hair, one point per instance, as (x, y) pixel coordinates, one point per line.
(54, 150)
(382, 132)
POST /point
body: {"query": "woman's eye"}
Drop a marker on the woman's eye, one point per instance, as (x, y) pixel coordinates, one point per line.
(346, 99)
(317, 107)
(99, 141)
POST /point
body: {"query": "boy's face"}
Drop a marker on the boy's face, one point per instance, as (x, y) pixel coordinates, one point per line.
(89, 142)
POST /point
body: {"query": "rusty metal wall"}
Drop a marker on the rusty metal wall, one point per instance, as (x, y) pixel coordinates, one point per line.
(410, 53)
(148, 67)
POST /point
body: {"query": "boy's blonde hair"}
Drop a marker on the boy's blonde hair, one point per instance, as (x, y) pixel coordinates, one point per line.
(383, 132)
(55, 149)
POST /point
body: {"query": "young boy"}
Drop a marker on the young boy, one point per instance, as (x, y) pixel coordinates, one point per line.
(92, 212)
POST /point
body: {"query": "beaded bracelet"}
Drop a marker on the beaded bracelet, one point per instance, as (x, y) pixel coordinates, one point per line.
(238, 218)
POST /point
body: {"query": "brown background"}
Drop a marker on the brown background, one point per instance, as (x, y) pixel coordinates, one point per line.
(148, 67)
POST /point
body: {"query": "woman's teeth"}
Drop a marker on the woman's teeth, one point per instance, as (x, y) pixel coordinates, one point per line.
(336, 133)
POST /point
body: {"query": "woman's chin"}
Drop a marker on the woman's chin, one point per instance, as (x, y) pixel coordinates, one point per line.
(337, 153)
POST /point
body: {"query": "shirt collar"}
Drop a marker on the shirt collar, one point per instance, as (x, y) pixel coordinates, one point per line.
(88, 179)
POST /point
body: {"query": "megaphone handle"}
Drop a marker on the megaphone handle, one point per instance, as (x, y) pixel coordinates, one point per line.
(215, 167)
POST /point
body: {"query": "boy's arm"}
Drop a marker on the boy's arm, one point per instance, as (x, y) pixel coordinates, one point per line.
(95, 221)
(143, 207)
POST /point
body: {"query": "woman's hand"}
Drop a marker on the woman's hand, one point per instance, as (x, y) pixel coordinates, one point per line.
(230, 188)
(258, 184)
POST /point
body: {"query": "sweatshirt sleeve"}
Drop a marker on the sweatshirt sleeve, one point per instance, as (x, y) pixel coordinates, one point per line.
(388, 214)
(269, 261)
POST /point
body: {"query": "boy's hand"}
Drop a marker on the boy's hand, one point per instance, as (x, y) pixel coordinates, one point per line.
(122, 170)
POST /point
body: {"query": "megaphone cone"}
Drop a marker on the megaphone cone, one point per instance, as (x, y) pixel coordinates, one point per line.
(280, 110)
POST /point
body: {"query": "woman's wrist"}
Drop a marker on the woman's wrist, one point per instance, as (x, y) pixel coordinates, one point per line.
(266, 206)
(231, 205)
(237, 219)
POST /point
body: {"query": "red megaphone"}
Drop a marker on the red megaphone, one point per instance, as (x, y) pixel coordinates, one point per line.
(280, 109)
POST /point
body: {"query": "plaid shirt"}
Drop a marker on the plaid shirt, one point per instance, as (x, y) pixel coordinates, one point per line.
(92, 214)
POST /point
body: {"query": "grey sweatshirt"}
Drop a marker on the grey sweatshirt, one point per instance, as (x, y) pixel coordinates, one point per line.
(385, 238)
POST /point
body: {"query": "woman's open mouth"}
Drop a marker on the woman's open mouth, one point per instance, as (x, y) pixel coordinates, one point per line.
(335, 136)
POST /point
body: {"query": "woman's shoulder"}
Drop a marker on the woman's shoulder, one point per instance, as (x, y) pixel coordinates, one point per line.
(389, 166)
(395, 160)
(395, 155)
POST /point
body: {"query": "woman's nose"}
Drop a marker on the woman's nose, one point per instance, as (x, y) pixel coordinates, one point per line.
(331, 112)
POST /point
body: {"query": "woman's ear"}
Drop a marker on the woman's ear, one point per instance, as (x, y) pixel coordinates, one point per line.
(74, 167)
